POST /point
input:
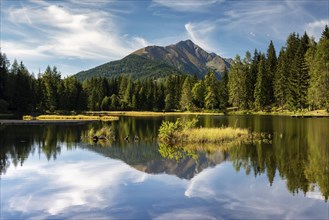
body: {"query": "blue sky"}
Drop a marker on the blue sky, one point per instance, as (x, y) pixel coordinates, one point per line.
(76, 35)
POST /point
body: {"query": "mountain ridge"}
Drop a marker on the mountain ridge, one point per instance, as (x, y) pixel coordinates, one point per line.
(184, 57)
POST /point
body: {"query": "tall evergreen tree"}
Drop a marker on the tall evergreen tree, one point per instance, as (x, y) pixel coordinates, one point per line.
(236, 84)
(198, 93)
(299, 81)
(211, 99)
(280, 81)
(186, 98)
(271, 63)
(319, 88)
(261, 98)
(223, 91)
(51, 79)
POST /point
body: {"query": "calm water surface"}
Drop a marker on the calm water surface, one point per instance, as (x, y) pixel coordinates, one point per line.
(52, 171)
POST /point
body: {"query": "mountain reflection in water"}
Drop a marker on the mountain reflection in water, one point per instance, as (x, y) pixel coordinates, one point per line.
(299, 152)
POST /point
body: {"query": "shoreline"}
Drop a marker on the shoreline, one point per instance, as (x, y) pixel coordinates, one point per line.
(42, 122)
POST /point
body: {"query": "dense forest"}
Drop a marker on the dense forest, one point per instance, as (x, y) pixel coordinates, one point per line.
(296, 79)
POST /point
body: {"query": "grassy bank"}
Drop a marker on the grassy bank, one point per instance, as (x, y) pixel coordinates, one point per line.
(71, 117)
(186, 133)
(315, 113)
(148, 113)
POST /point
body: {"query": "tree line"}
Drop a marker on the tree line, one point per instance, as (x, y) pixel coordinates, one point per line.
(296, 79)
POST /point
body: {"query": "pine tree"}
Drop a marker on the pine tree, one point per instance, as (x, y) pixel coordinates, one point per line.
(320, 72)
(4, 71)
(313, 98)
(211, 99)
(237, 84)
(292, 47)
(223, 91)
(280, 82)
(251, 80)
(246, 68)
(271, 63)
(261, 98)
(198, 93)
(186, 98)
(299, 81)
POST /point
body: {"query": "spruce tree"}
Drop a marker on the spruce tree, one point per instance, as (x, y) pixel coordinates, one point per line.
(261, 98)
(198, 93)
(299, 81)
(271, 63)
(313, 98)
(211, 99)
(237, 84)
(320, 72)
(223, 91)
(280, 81)
(186, 98)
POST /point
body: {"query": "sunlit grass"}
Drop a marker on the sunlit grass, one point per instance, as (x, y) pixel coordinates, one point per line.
(148, 113)
(212, 135)
(184, 133)
(71, 117)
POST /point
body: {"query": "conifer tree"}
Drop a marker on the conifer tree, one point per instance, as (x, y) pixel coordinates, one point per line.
(313, 98)
(299, 81)
(319, 88)
(261, 99)
(280, 81)
(271, 63)
(211, 99)
(198, 93)
(223, 91)
(186, 98)
(236, 84)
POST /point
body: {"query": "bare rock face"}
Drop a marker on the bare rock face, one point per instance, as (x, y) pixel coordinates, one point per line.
(187, 57)
(155, 62)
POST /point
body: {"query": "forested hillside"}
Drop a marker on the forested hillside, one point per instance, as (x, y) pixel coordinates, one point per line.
(134, 66)
(297, 78)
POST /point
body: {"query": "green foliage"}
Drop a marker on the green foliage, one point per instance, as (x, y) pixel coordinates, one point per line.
(298, 79)
(318, 59)
(186, 98)
(133, 65)
(168, 130)
(280, 80)
(198, 93)
(261, 99)
(237, 84)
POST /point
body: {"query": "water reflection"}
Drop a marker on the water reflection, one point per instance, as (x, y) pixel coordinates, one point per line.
(299, 152)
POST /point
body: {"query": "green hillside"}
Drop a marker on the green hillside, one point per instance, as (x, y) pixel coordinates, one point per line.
(133, 65)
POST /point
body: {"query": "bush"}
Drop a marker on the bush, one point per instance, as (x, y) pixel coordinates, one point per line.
(169, 130)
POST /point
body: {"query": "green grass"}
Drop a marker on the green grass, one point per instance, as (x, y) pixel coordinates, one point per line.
(212, 135)
(148, 113)
(71, 117)
(185, 133)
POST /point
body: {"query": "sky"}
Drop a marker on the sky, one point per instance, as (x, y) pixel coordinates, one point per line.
(76, 35)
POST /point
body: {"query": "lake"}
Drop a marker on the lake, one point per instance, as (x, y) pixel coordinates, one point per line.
(54, 171)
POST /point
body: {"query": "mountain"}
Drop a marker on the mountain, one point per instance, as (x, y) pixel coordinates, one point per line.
(132, 65)
(187, 57)
(158, 62)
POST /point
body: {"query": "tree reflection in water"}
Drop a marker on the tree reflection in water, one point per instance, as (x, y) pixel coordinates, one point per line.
(299, 152)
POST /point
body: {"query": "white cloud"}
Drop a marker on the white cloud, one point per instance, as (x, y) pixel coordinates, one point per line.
(70, 185)
(187, 5)
(68, 33)
(189, 213)
(315, 28)
(200, 34)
